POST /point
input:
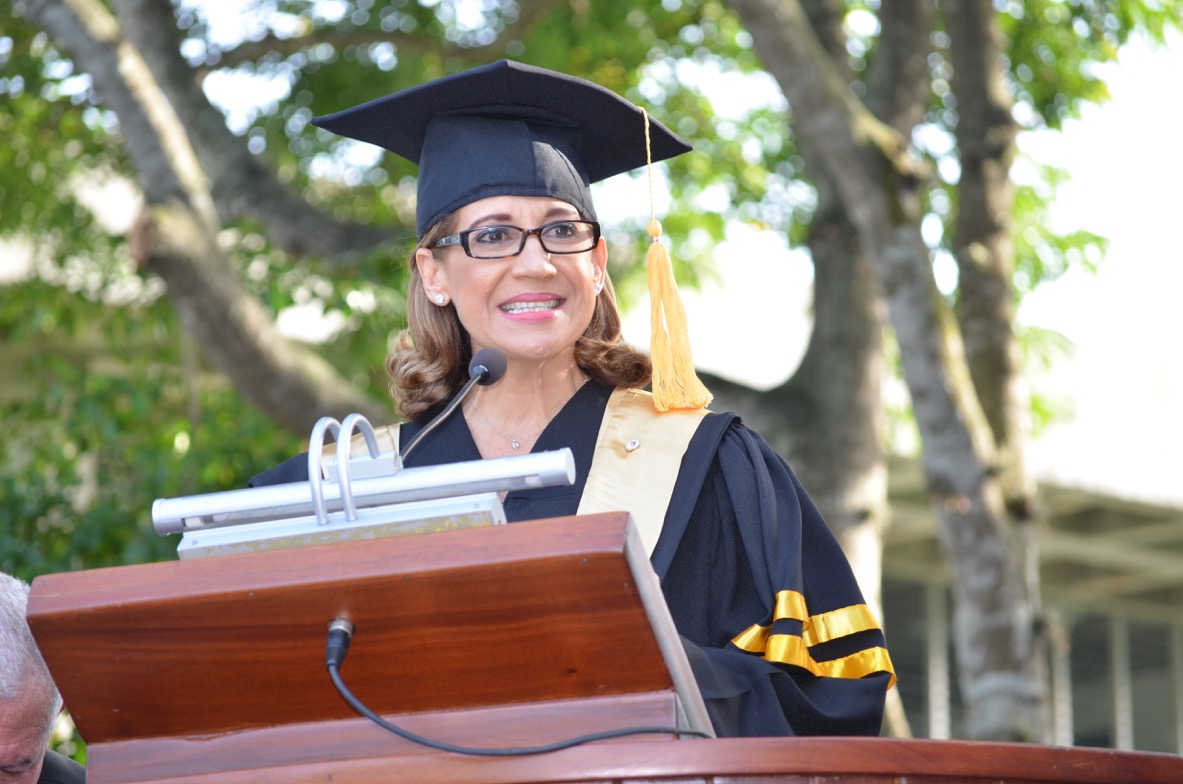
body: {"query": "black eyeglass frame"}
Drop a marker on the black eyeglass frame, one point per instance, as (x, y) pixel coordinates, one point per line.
(461, 238)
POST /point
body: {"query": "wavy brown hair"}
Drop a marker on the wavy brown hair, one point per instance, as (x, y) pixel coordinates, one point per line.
(430, 362)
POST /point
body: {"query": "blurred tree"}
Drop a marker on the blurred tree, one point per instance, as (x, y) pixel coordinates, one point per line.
(144, 359)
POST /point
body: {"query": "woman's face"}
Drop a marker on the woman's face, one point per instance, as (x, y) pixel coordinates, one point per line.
(531, 307)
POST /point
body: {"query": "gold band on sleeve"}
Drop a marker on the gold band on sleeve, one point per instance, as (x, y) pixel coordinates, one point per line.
(794, 650)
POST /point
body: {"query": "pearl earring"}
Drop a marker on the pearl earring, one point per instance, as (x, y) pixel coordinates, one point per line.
(439, 299)
(599, 286)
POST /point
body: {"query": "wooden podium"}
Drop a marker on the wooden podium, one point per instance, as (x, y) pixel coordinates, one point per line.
(493, 637)
(211, 671)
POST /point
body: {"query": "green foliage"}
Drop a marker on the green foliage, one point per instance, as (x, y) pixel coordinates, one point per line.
(1055, 44)
(1042, 254)
(104, 418)
(356, 312)
(49, 146)
(1042, 349)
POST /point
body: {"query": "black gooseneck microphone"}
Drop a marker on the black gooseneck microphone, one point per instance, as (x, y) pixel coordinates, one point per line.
(486, 367)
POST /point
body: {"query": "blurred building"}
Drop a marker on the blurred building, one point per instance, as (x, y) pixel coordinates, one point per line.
(1112, 577)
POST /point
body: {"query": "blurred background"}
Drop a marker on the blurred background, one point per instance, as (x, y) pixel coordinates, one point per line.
(926, 251)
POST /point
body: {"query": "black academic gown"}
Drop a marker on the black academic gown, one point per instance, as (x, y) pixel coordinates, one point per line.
(739, 529)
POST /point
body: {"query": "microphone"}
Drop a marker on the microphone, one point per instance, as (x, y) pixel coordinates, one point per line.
(486, 367)
(489, 365)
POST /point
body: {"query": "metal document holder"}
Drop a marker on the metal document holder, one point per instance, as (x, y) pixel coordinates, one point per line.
(362, 497)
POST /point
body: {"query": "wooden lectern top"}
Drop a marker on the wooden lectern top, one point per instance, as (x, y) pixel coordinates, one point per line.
(542, 613)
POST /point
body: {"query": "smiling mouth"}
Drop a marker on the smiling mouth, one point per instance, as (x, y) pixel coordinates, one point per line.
(531, 307)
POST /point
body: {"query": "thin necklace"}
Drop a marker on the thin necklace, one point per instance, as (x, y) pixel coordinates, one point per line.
(514, 443)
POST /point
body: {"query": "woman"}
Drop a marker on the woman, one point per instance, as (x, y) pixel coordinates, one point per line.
(510, 257)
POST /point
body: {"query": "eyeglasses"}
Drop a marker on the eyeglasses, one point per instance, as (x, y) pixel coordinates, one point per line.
(499, 242)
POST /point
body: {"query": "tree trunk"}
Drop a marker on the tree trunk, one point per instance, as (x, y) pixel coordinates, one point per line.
(241, 184)
(986, 133)
(239, 336)
(176, 236)
(867, 160)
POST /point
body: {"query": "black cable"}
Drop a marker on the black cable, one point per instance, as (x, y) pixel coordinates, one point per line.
(340, 632)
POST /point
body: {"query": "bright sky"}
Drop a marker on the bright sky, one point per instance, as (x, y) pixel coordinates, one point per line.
(1124, 382)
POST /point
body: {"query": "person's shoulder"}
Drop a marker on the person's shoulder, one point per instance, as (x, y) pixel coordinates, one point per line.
(60, 769)
(738, 446)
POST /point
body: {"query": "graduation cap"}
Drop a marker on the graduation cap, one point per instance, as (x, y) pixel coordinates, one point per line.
(510, 129)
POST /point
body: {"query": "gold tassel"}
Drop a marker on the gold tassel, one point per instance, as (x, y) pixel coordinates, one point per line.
(675, 384)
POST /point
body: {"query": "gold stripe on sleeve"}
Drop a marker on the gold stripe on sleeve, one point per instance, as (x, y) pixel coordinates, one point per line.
(794, 649)
(839, 623)
(790, 605)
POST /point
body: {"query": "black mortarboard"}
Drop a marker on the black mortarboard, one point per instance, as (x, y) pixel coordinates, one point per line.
(507, 129)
